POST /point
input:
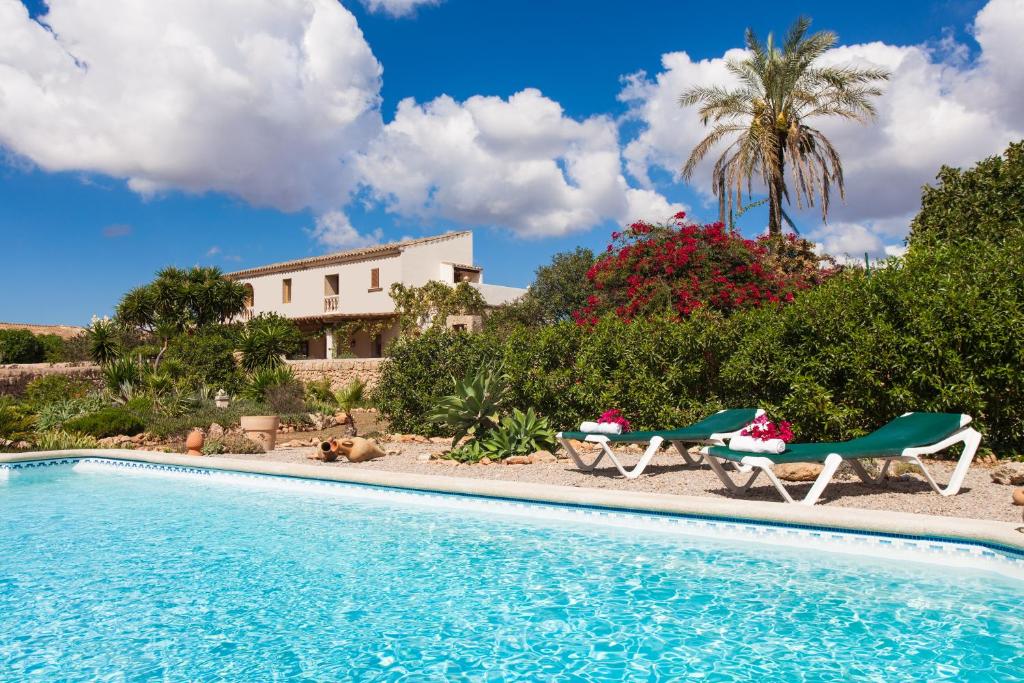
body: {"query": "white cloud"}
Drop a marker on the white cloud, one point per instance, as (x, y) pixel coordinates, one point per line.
(213, 251)
(398, 8)
(937, 110)
(266, 100)
(519, 163)
(333, 229)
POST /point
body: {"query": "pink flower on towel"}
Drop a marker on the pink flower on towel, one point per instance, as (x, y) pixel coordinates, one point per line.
(615, 416)
(761, 428)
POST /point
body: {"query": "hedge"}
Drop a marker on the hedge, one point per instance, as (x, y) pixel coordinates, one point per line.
(939, 330)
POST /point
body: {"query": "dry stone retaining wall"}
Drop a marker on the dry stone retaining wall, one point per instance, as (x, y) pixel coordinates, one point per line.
(341, 371)
(15, 377)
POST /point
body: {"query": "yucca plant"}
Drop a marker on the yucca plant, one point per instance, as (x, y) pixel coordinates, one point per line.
(263, 379)
(266, 340)
(474, 408)
(60, 440)
(122, 376)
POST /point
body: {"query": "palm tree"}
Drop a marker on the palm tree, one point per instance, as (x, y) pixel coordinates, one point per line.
(780, 90)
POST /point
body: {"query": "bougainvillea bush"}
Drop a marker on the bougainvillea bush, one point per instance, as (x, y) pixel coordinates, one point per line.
(679, 266)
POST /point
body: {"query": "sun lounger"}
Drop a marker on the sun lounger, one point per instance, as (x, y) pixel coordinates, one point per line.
(715, 429)
(904, 439)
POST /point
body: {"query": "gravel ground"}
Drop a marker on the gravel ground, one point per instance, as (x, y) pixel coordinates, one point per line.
(979, 498)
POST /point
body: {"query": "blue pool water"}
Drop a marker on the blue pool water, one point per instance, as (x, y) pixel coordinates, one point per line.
(110, 576)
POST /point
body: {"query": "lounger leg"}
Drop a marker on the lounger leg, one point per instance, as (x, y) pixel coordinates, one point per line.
(577, 458)
(831, 464)
(718, 469)
(606, 450)
(971, 440)
(687, 458)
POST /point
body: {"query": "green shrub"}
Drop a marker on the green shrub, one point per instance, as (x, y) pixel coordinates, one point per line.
(285, 398)
(52, 388)
(178, 426)
(420, 370)
(107, 422)
(59, 440)
(262, 380)
(517, 434)
(123, 376)
(231, 443)
(16, 422)
(205, 358)
(20, 346)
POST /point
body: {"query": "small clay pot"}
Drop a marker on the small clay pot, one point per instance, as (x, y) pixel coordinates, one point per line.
(194, 442)
(328, 451)
(1018, 496)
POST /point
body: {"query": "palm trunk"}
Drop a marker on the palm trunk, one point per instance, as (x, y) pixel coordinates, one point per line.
(775, 186)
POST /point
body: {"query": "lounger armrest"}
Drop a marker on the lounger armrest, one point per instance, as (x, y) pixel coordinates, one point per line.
(963, 435)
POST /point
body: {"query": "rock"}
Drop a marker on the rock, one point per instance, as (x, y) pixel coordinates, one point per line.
(140, 438)
(542, 456)
(518, 460)
(1009, 473)
(987, 459)
(798, 471)
(1018, 496)
(485, 460)
(215, 432)
(423, 457)
(438, 439)
(357, 449)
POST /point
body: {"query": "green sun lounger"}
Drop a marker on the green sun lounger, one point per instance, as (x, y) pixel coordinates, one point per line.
(904, 439)
(713, 430)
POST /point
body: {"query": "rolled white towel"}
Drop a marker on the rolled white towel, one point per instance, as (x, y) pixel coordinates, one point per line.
(748, 444)
(601, 428)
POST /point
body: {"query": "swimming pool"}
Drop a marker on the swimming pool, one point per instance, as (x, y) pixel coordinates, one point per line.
(177, 575)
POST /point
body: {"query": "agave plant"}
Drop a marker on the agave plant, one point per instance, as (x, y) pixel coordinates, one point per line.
(473, 410)
(528, 432)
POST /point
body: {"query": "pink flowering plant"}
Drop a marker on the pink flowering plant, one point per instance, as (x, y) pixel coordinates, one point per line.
(762, 428)
(615, 416)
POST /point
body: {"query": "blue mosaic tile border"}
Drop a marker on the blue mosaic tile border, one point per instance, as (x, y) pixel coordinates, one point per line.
(964, 552)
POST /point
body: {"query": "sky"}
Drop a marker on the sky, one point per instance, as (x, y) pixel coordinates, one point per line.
(135, 136)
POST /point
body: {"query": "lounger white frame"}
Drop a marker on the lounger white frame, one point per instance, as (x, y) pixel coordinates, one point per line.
(756, 465)
(652, 447)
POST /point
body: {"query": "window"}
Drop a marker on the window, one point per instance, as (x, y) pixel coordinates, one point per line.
(286, 290)
(374, 279)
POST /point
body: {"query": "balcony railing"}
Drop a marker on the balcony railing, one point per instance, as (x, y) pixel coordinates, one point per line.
(331, 303)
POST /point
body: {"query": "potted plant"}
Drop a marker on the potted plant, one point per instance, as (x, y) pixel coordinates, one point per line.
(262, 429)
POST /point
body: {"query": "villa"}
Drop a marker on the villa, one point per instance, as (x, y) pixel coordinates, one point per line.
(323, 293)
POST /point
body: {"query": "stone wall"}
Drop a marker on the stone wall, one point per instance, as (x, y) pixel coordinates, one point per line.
(15, 377)
(341, 371)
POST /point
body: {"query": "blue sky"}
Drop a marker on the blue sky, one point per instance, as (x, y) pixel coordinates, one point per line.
(77, 236)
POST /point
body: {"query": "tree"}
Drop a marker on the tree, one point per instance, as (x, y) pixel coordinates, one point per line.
(20, 346)
(767, 115)
(677, 267)
(179, 301)
(984, 203)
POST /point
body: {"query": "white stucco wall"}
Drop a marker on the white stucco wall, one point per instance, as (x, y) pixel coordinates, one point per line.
(422, 263)
(495, 295)
(416, 265)
(308, 288)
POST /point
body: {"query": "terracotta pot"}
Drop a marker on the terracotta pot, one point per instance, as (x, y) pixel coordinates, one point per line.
(328, 451)
(194, 442)
(261, 429)
(357, 449)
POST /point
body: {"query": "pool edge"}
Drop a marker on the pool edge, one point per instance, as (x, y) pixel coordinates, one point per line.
(1001, 535)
